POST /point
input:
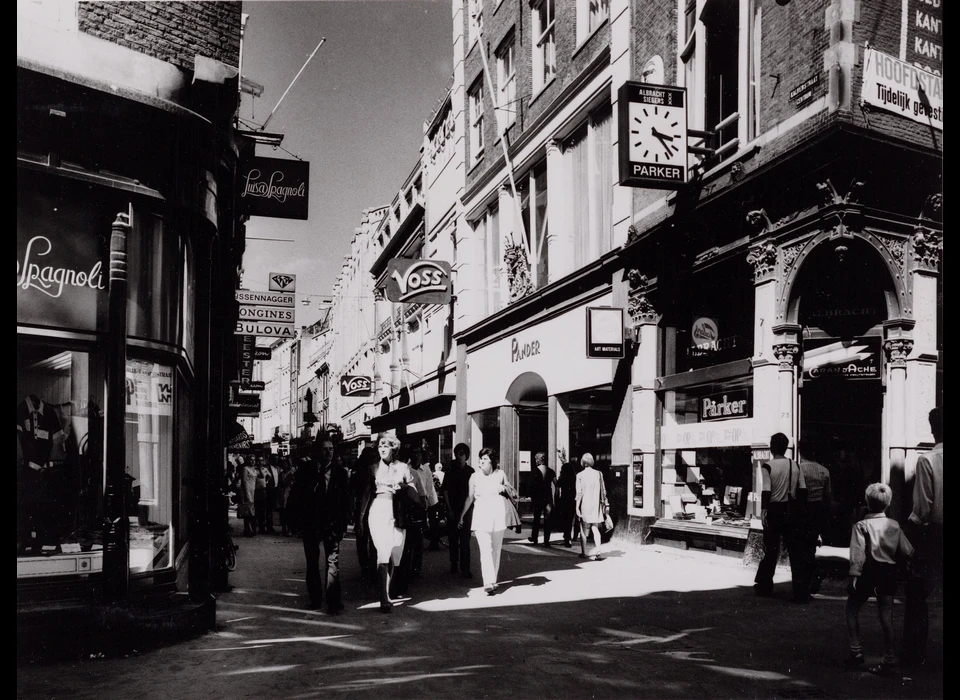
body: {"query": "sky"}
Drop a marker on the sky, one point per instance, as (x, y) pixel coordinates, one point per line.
(356, 114)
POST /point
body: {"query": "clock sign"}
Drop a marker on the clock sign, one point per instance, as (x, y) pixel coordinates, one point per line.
(653, 135)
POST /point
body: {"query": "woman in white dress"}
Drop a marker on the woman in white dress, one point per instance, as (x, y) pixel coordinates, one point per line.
(390, 478)
(487, 490)
(592, 505)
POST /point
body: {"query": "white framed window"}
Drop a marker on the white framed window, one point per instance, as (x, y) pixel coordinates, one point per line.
(476, 122)
(590, 164)
(544, 43)
(475, 19)
(532, 190)
(590, 15)
(488, 229)
(507, 83)
(719, 65)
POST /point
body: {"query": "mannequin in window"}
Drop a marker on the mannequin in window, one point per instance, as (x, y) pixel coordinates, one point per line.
(37, 426)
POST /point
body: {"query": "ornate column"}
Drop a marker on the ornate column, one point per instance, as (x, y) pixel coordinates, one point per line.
(643, 321)
(786, 354)
(893, 469)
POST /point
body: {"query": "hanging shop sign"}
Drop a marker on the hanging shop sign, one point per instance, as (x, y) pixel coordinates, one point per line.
(856, 358)
(275, 329)
(238, 438)
(245, 363)
(418, 281)
(652, 135)
(267, 313)
(355, 385)
(252, 385)
(246, 402)
(262, 353)
(605, 336)
(245, 296)
(899, 87)
(282, 282)
(274, 187)
(922, 37)
(736, 403)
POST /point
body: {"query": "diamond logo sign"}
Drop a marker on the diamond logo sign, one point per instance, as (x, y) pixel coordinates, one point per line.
(282, 282)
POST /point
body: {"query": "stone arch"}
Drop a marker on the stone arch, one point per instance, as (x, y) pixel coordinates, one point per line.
(528, 389)
(863, 251)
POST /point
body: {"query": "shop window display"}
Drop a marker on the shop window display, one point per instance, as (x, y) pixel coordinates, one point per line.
(149, 464)
(59, 455)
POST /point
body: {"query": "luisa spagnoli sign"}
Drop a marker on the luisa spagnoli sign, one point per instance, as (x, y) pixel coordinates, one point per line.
(274, 187)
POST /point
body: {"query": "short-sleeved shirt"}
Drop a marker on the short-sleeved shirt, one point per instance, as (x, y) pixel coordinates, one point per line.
(456, 484)
(781, 474)
(817, 479)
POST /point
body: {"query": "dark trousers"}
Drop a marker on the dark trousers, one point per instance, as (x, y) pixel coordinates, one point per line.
(411, 559)
(567, 522)
(540, 510)
(780, 523)
(320, 594)
(459, 540)
(260, 509)
(366, 553)
(926, 578)
(433, 526)
(813, 522)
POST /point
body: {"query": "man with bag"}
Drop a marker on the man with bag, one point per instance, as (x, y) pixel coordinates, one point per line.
(784, 491)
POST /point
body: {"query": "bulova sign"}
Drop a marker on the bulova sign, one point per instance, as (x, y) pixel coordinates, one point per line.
(355, 385)
(274, 187)
(418, 281)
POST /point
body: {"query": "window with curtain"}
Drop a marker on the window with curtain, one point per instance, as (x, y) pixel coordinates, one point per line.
(153, 257)
(476, 122)
(489, 229)
(544, 45)
(589, 151)
(532, 190)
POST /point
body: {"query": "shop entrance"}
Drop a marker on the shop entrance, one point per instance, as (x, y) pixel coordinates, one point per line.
(843, 290)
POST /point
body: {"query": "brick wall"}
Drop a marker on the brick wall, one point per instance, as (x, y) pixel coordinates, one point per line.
(174, 32)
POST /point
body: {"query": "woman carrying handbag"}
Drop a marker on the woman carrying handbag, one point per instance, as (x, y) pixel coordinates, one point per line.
(592, 506)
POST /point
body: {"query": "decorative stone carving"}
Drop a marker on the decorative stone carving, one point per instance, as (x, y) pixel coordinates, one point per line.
(896, 247)
(790, 254)
(639, 306)
(518, 271)
(927, 248)
(897, 351)
(759, 222)
(763, 257)
(737, 172)
(932, 207)
(632, 234)
(378, 294)
(786, 354)
(829, 194)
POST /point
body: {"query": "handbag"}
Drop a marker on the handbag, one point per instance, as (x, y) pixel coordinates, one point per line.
(244, 510)
(407, 509)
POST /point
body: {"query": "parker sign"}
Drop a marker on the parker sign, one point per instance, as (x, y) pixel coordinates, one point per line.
(418, 282)
(274, 187)
(896, 86)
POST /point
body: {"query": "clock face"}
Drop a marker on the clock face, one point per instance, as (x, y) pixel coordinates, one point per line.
(657, 134)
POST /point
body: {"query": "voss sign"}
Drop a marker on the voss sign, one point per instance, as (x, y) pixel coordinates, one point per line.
(418, 282)
(353, 385)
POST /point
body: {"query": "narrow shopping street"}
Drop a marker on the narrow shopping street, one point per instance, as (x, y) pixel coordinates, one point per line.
(646, 622)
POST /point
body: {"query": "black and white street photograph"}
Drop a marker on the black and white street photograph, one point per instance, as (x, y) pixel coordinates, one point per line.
(480, 349)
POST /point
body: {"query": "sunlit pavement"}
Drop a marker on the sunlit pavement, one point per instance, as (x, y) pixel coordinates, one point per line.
(645, 622)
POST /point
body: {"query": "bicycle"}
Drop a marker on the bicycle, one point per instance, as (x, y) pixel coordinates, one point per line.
(229, 551)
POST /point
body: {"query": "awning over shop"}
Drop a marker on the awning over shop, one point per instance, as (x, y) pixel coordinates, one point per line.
(433, 409)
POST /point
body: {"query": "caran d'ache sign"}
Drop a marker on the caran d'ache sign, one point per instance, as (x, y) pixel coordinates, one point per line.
(652, 135)
(856, 358)
(354, 385)
(418, 281)
(274, 187)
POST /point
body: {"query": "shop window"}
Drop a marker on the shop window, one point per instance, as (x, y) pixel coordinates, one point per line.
(184, 466)
(544, 43)
(591, 200)
(707, 468)
(59, 461)
(149, 477)
(153, 260)
(532, 190)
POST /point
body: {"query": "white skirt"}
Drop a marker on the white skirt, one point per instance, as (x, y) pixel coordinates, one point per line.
(387, 539)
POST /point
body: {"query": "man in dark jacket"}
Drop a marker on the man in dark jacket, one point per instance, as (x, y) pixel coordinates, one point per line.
(567, 500)
(542, 489)
(319, 501)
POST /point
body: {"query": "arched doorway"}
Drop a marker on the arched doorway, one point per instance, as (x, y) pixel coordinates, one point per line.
(528, 395)
(840, 300)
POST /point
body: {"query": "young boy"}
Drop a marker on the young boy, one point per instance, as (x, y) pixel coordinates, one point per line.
(877, 544)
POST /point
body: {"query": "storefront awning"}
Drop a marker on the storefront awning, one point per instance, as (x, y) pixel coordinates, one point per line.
(435, 407)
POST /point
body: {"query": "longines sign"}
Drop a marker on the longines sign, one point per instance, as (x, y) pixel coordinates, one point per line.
(274, 187)
(418, 281)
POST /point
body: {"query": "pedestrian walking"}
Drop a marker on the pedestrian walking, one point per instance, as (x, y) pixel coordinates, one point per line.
(284, 485)
(270, 502)
(592, 506)
(392, 480)
(814, 516)
(877, 546)
(924, 529)
(362, 486)
(260, 495)
(566, 501)
(784, 490)
(487, 490)
(454, 490)
(246, 508)
(319, 502)
(427, 470)
(542, 493)
(411, 559)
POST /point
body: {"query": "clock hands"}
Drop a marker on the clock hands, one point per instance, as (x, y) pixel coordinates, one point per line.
(664, 138)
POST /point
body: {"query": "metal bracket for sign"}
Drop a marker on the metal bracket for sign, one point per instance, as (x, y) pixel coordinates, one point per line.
(708, 149)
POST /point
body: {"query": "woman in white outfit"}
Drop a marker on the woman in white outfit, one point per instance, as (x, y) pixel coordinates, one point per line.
(486, 494)
(390, 477)
(591, 505)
